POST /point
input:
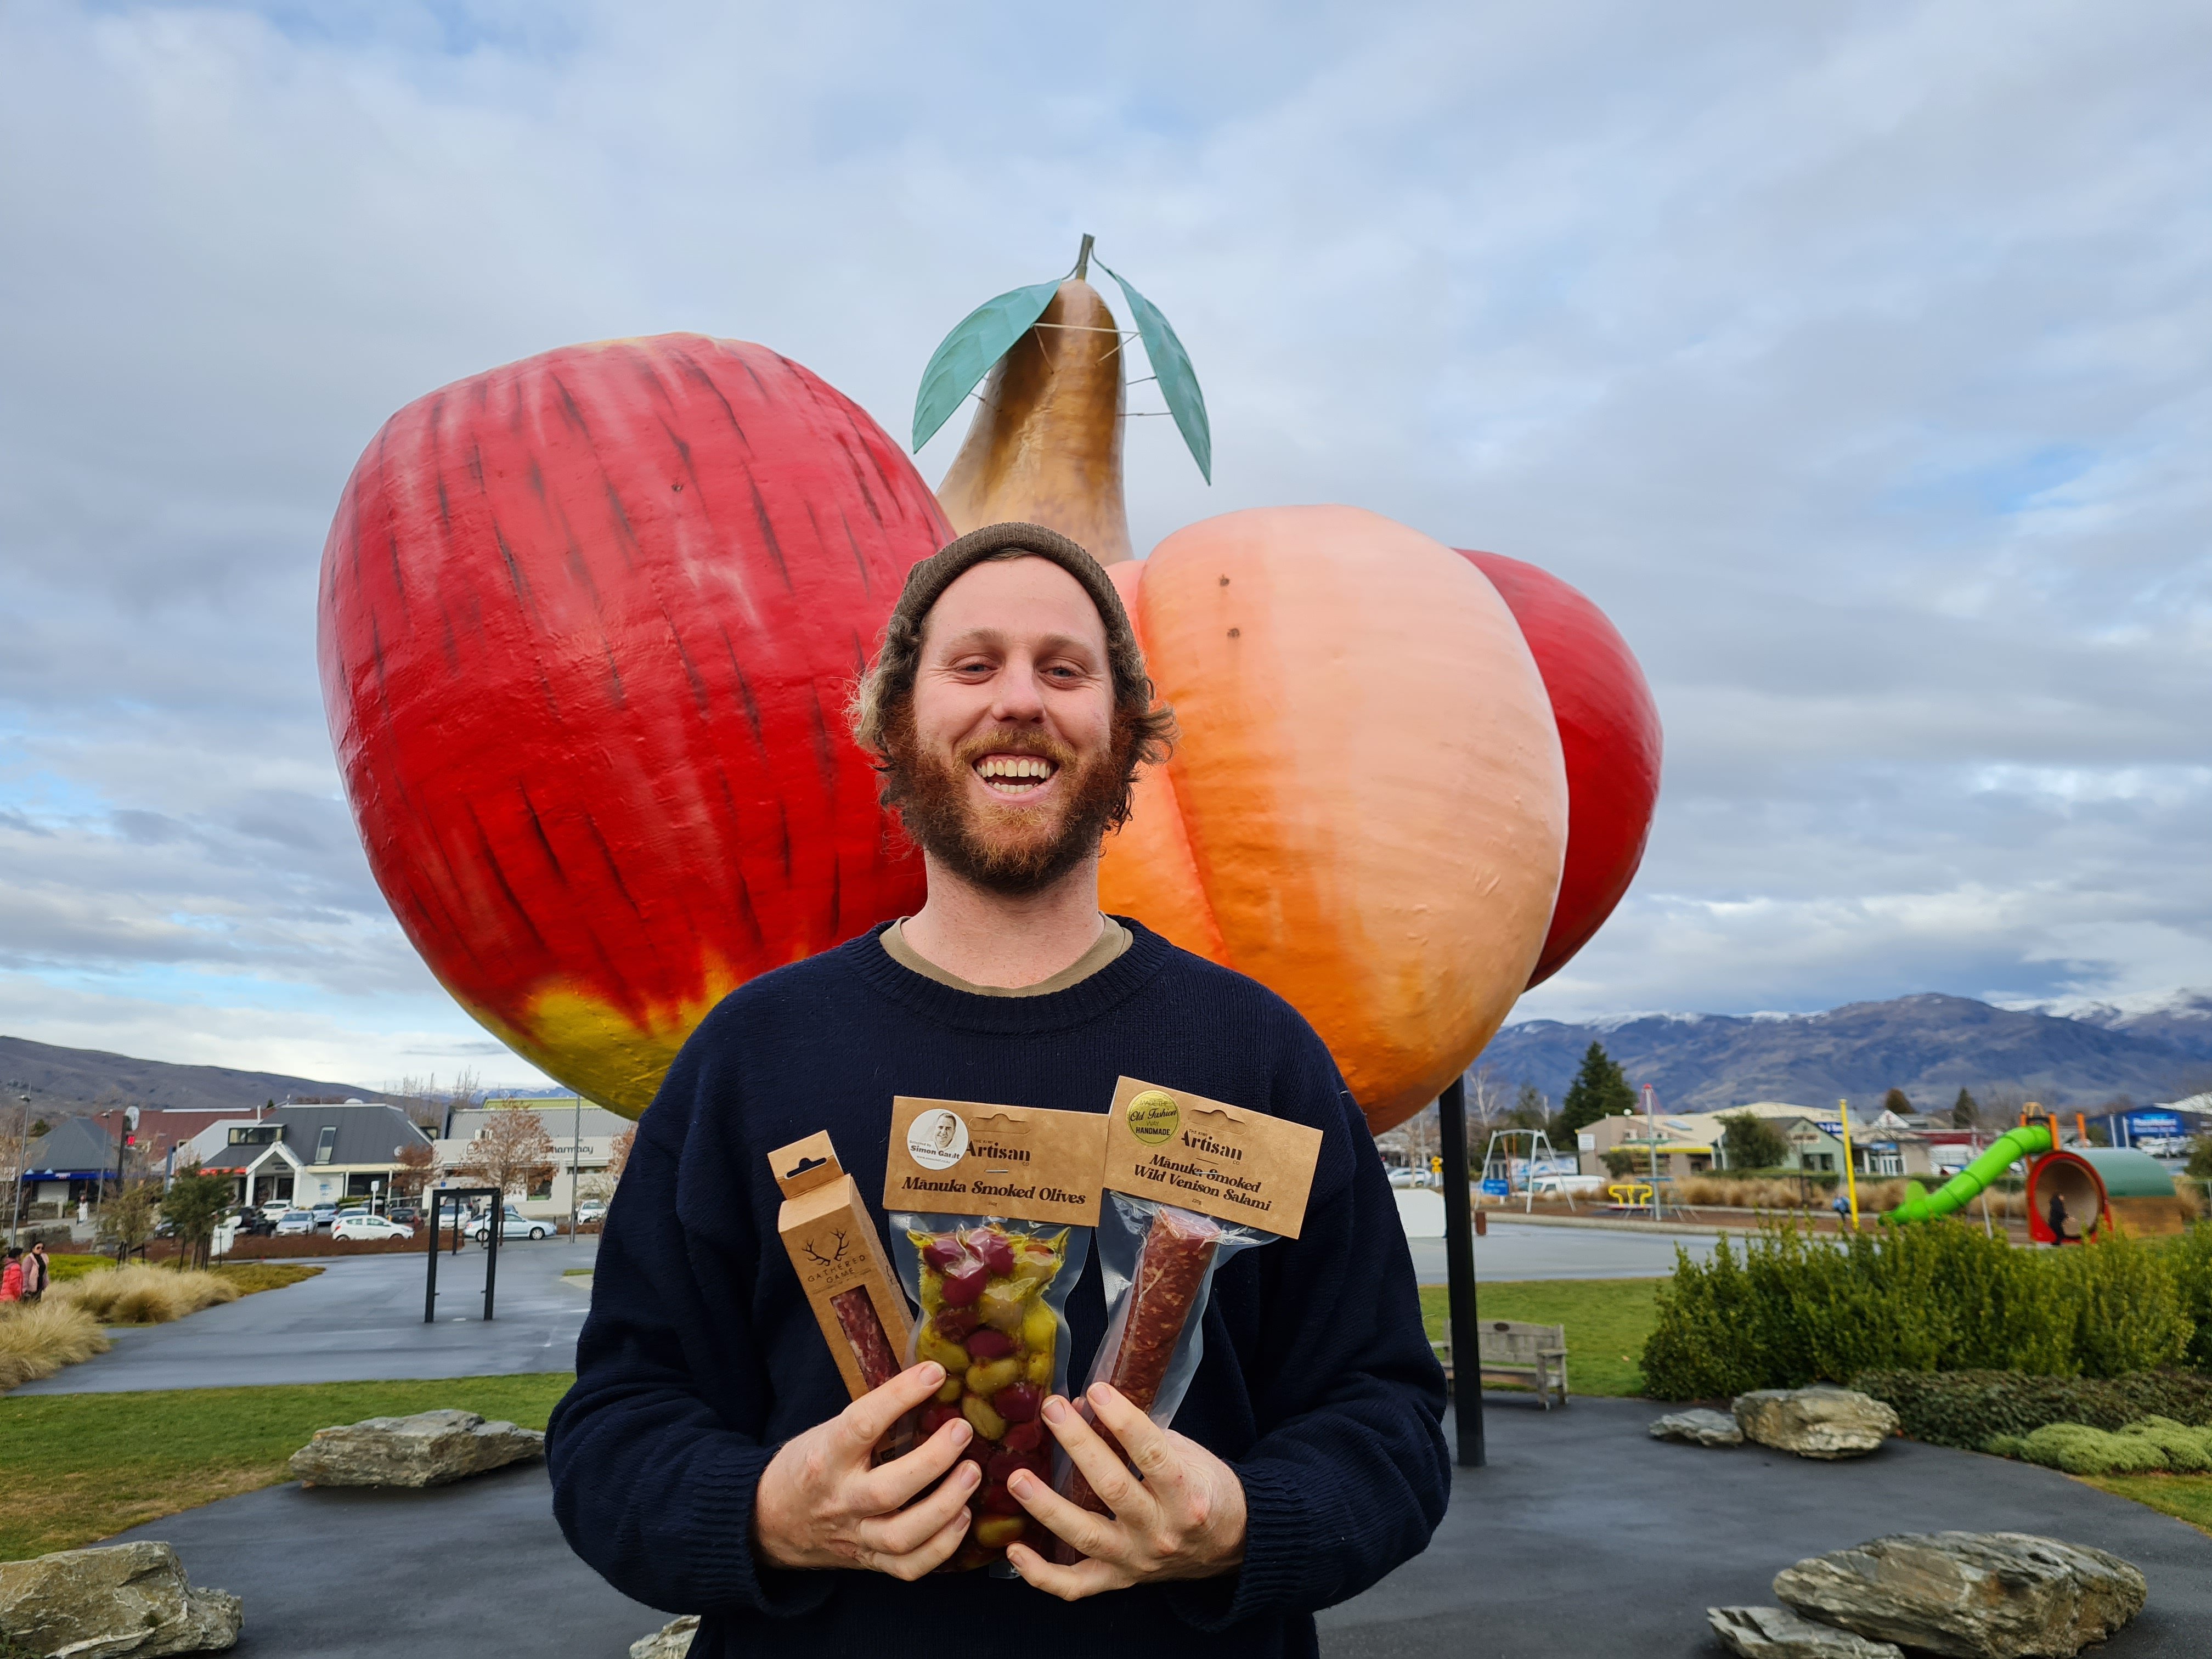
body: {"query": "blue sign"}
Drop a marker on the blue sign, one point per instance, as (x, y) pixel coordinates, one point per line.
(1495, 1189)
(1830, 1126)
(2153, 1123)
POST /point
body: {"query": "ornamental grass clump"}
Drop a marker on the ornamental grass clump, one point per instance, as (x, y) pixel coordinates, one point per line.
(2077, 1449)
(38, 1339)
(144, 1295)
(1795, 1308)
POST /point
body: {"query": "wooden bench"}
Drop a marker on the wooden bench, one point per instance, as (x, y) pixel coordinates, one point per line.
(1514, 1353)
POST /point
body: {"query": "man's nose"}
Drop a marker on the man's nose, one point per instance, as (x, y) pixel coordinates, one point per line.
(1018, 702)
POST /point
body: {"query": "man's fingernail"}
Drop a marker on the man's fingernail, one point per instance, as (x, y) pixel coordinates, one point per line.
(932, 1373)
(1102, 1394)
(1020, 1485)
(1055, 1410)
(970, 1471)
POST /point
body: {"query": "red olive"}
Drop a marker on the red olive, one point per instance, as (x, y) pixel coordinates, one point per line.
(1018, 1404)
(953, 1324)
(989, 1343)
(965, 1283)
(1024, 1436)
(936, 1417)
(995, 1249)
(943, 1251)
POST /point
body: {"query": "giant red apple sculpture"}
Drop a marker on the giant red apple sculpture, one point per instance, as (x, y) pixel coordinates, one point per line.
(588, 622)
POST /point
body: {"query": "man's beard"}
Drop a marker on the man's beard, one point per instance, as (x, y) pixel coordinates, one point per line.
(1009, 849)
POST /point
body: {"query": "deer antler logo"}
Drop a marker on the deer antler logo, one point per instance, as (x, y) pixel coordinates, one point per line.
(835, 1256)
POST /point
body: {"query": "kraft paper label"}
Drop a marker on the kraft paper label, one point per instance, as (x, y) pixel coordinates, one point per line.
(1228, 1161)
(963, 1158)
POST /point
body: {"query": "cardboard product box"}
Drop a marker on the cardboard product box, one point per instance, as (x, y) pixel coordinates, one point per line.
(842, 1264)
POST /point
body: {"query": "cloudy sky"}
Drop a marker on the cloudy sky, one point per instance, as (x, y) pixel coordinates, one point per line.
(1853, 358)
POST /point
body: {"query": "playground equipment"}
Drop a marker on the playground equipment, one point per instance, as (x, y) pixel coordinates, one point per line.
(1498, 1167)
(2102, 1187)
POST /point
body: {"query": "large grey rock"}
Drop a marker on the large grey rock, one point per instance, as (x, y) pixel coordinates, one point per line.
(1699, 1428)
(103, 1603)
(1778, 1633)
(429, 1449)
(671, 1641)
(1817, 1422)
(1974, 1595)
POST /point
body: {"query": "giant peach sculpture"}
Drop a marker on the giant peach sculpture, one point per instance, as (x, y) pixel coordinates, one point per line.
(587, 622)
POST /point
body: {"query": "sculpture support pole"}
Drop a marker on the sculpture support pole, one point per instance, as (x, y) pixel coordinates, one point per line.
(1459, 1257)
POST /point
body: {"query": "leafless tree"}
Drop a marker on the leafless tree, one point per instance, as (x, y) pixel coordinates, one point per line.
(601, 1183)
(512, 1153)
(418, 1164)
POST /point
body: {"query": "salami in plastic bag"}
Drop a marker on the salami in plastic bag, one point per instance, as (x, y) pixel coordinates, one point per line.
(1190, 1181)
(1158, 1261)
(1013, 1195)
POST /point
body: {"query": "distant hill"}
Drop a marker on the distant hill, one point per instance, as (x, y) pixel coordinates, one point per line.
(1930, 1045)
(62, 1081)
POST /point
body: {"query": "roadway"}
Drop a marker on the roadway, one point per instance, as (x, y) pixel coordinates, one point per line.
(359, 1320)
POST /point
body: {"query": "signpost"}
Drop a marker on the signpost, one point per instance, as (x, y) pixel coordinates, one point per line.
(495, 1224)
(1459, 1262)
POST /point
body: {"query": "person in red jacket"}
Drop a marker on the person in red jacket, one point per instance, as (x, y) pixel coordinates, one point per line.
(11, 1276)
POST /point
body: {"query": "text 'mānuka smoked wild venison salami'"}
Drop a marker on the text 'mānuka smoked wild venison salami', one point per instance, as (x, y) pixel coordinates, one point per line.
(1190, 1181)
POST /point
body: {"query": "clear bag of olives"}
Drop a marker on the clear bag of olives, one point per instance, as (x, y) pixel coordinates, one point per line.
(993, 1296)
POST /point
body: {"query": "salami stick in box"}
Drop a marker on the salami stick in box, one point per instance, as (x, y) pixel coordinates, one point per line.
(840, 1260)
(1189, 1182)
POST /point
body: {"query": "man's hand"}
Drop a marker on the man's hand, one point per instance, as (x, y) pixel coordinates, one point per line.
(820, 1504)
(1185, 1519)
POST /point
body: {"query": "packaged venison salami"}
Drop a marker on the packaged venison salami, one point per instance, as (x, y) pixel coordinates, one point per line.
(1189, 1182)
(839, 1257)
(991, 1211)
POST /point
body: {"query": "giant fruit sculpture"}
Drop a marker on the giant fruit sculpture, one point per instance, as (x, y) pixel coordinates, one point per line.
(589, 622)
(588, 625)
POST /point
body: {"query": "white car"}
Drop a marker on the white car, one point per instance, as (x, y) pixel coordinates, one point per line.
(368, 1227)
(513, 1224)
(1412, 1178)
(591, 1209)
(293, 1223)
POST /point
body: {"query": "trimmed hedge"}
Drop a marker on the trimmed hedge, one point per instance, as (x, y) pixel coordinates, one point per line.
(1969, 1409)
(1793, 1308)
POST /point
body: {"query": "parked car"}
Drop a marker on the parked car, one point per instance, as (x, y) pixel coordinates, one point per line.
(324, 1214)
(1412, 1178)
(294, 1222)
(361, 1225)
(513, 1224)
(403, 1212)
(591, 1209)
(258, 1223)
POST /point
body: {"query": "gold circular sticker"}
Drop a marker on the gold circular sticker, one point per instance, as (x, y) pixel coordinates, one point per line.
(1153, 1116)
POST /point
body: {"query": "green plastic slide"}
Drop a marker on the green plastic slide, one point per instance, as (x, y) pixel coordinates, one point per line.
(2029, 1140)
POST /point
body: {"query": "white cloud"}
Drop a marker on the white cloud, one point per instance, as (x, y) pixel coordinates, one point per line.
(1855, 361)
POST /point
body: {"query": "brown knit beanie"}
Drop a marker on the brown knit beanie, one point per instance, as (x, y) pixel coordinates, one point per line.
(889, 680)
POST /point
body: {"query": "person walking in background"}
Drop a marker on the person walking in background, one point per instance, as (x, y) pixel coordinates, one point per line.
(2058, 1220)
(11, 1276)
(37, 1273)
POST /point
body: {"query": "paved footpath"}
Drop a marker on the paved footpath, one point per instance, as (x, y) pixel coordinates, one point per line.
(1517, 1250)
(1583, 1537)
(360, 1321)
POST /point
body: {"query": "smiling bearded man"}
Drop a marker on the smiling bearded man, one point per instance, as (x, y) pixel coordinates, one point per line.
(706, 1462)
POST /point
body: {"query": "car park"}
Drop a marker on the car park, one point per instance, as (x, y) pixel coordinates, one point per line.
(514, 1224)
(359, 1224)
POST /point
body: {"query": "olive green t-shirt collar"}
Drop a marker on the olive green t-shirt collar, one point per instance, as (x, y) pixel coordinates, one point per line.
(1111, 944)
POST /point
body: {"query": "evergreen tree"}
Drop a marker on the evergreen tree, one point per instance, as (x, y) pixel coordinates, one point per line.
(1897, 1101)
(1964, 1113)
(1599, 1090)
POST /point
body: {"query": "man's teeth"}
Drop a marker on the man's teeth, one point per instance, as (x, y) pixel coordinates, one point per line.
(1012, 773)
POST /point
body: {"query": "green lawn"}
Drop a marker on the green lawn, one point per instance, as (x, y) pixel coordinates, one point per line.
(82, 1466)
(1607, 1320)
(2185, 1497)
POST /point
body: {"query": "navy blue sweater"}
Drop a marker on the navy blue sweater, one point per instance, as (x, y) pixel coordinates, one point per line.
(700, 1357)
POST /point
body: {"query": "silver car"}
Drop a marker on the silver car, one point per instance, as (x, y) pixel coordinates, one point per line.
(513, 1224)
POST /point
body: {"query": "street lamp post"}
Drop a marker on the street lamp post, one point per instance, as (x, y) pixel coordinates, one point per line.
(22, 1151)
